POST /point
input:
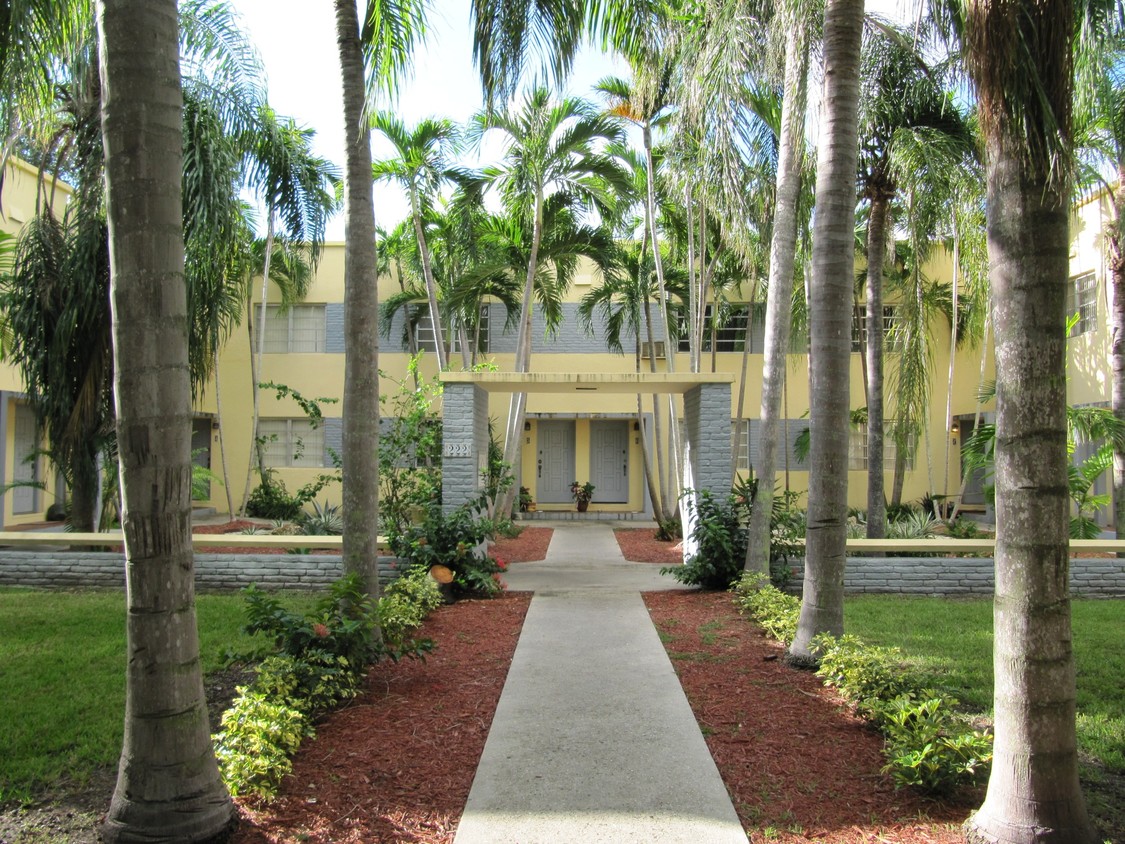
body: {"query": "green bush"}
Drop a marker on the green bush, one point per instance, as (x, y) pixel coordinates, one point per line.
(863, 674)
(258, 736)
(721, 541)
(314, 683)
(453, 540)
(271, 500)
(769, 607)
(961, 528)
(324, 520)
(405, 605)
(926, 748)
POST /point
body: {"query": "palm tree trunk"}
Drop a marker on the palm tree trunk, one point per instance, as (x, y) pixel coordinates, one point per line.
(361, 316)
(1033, 791)
(1117, 348)
(876, 250)
(779, 298)
(222, 439)
(257, 453)
(822, 605)
(168, 785)
(518, 409)
(952, 351)
(431, 285)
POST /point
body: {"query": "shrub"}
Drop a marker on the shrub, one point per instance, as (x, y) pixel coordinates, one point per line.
(259, 735)
(721, 541)
(314, 683)
(405, 605)
(271, 500)
(925, 749)
(964, 528)
(456, 541)
(324, 520)
(862, 673)
(769, 607)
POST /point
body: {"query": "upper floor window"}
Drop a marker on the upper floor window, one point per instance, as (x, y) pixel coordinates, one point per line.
(1082, 299)
(728, 334)
(424, 331)
(859, 325)
(299, 328)
(291, 443)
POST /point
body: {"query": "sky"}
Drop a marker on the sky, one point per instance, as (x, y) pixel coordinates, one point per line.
(297, 43)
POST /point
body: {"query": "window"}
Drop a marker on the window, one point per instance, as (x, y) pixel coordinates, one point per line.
(299, 328)
(857, 448)
(292, 443)
(859, 325)
(729, 335)
(1082, 299)
(424, 330)
(647, 349)
(789, 431)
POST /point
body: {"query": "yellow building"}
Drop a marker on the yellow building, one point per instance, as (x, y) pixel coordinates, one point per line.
(574, 436)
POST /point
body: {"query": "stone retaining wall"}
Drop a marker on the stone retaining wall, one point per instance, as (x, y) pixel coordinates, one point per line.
(84, 569)
(1090, 577)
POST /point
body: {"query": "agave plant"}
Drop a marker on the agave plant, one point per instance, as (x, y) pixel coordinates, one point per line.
(325, 520)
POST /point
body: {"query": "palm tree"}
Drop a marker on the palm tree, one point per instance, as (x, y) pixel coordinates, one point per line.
(822, 605)
(783, 251)
(372, 57)
(420, 167)
(168, 785)
(902, 105)
(550, 149)
(1020, 58)
(505, 33)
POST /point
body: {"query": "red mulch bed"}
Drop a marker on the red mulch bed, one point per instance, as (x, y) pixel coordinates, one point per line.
(640, 545)
(529, 547)
(397, 764)
(790, 753)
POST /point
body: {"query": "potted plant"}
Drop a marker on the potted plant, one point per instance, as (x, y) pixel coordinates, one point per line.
(582, 494)
(526, 502)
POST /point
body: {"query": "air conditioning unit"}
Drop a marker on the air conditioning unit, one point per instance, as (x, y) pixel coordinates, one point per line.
(647, 350)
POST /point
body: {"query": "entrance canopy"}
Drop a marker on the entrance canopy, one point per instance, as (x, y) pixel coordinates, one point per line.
(587, 382)
(707, 415)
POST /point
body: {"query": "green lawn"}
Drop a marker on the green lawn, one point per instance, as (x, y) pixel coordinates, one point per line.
(952, 640)
(62, 679)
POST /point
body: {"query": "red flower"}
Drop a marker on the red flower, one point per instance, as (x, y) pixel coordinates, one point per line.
(500, 564)
(321, 630)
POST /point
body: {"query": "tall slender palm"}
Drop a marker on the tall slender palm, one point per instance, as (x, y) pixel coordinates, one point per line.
(783, 251)
(420, 167)
(1102, 132)
(168, 785)
(297, 188)
(1020, 59)
(550, 149)
(902, 104)
(822, 605)
(374, 51)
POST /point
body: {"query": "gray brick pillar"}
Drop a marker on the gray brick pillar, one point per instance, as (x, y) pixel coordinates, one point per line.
(464, 443)
(707, 420)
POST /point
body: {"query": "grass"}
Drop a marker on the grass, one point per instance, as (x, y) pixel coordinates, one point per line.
(62, 692)
(952, 641)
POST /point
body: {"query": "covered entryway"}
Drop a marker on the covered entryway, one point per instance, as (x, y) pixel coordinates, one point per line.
(554, 460)
(602, 430)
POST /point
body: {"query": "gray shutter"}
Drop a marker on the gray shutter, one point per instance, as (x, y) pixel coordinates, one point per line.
(333, 331)
(333, 438)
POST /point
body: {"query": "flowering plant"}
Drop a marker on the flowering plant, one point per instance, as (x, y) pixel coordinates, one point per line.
(582, 492)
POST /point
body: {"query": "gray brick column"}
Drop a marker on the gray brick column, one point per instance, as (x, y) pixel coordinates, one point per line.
(707, 420)
(464, 443)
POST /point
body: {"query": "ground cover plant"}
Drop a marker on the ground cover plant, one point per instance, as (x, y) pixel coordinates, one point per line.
(950, 641)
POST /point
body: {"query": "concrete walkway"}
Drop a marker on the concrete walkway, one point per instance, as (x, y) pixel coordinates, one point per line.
(594, 740)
